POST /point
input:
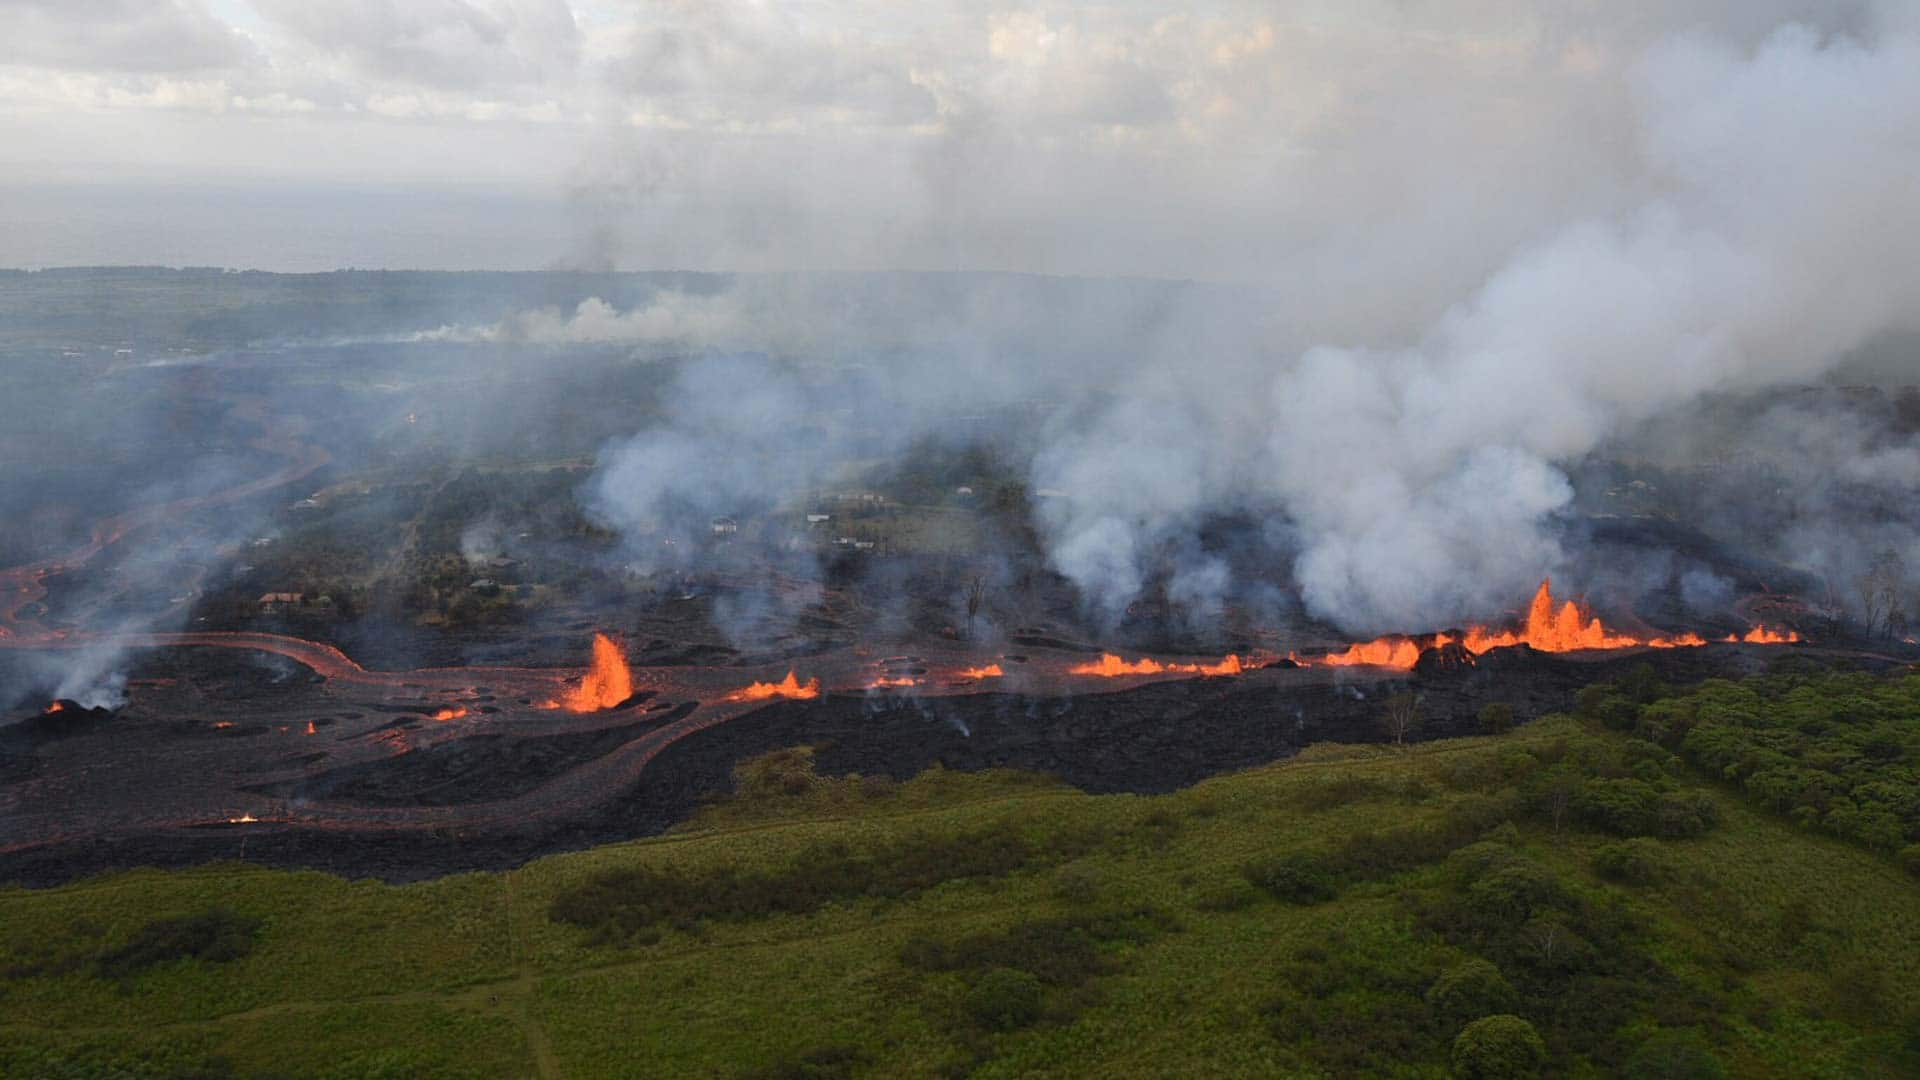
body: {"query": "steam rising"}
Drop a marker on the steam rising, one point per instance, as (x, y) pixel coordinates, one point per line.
(1423, 480)
(1407, 486)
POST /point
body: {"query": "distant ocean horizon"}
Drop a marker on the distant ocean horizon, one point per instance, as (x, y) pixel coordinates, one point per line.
(280, 228)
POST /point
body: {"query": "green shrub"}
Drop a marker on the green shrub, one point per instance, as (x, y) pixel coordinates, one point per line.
(618, 904)
(1062, 951)
(1004, 999)
(1634, 862)
(1621, 807)
(1910, 859)
(215, 935)
(1471, 988)
(1077, 885)
(834, 1062)
(1502, 1047)
(1295, 877)
(1496, 718)
(1233, 894)
(1684, 814)
(1675, 1055)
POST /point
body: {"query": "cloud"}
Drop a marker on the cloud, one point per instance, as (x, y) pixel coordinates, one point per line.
(125, 36)
(448, 44)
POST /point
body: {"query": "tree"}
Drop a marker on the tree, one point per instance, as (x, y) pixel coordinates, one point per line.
(1502, 1047)
(1881, 590)
(976, 591)
(1496, 718)
(1402, 717)
(1471, 988)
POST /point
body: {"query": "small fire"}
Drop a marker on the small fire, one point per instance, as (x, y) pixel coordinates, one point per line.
(888, 682)
(56, 707)
(310, 728)
(1110, 666)
(789, 687)
(607, 683)
(1760, 635)
(222, 725)
(991, 671)
(243, 819)
(449, 714)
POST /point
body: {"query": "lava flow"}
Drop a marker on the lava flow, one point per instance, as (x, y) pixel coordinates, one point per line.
(606, 684)
(991, 671)
(455, 714)
(1110, 666)
(1760, 635)
(789, 687)
(1566, 627)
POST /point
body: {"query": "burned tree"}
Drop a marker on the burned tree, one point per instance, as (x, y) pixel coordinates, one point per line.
(1402, 717)
(1882, 591)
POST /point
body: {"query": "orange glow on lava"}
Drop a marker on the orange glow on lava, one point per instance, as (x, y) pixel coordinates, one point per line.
(789, 687)
(991, 671)
(887, 682)
(1549, 627)
(56, 707)
(1110, 666)
(310, 728)
(1760, 635)
(243, 819)
(449, 714)
(607, 683)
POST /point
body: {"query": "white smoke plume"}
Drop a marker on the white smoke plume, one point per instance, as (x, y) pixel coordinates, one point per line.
(1776, 235)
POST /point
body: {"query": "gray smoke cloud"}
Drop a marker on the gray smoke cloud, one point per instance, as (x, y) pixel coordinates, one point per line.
(1755, 232)
(1423, 480)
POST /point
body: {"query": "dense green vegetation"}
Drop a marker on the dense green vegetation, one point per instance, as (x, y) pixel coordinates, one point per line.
(1579, 896)
(1840, 752)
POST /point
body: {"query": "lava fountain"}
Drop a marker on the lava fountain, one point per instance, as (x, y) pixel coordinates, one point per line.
(1760, 635)
(1110, 666)
(607, 683)
(1550, 627)
(789, 687)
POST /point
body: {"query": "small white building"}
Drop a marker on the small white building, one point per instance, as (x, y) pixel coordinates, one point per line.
(725, 526)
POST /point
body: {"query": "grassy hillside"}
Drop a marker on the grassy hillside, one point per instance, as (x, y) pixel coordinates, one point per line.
(1566, 897)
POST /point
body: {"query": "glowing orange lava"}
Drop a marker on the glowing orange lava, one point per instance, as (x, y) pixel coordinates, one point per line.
(607, 683)
(56, 707)
(455, 714)
(1549, 627)
(789, 687)
(886, 682)
(991, 671)
(243, 819)
(1110, 666)
(310, 728)
(1760, 635)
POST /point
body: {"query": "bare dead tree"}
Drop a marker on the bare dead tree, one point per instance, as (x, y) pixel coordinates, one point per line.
(976, 591)
(1402, 717)
(1880, 590)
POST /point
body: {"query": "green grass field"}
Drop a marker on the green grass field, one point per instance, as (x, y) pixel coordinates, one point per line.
(1298, 919)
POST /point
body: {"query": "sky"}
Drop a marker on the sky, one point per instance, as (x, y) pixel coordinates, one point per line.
(1341, 147)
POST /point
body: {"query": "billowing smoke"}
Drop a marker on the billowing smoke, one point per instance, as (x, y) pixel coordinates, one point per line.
(1424, 481)
(1756, 234)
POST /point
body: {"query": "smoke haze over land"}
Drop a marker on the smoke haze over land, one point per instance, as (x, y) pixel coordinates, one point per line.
(1377, 276)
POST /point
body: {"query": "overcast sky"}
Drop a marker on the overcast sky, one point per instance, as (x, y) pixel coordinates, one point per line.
(1335, 145)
